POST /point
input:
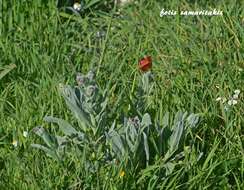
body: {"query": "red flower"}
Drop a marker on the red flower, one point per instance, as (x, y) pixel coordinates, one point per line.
(146, 63)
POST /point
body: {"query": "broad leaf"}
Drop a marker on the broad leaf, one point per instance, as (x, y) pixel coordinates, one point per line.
(48, 139)
(146, 147)
(192, 120)
(64, 126)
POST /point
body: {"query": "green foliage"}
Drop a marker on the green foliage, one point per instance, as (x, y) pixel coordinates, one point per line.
(128, 143)
(131, 141)
(195, 61)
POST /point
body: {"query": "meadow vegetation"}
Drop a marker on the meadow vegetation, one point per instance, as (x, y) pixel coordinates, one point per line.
(78, 113)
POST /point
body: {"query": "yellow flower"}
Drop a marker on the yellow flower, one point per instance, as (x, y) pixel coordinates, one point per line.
(122, 174)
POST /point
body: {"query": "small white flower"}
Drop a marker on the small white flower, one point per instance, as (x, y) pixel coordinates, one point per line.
(232, 102)
(77, 6)
(218, 99)
(25, 134)
(222, 99)
(15, 143)
(237, 92)
(235, 96)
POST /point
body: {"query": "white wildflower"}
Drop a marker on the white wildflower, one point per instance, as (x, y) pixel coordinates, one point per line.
(235, 96)
(232, 102)
(25, 134)
(221, 99)
(237, 92)
(218, 99)
(77, 6)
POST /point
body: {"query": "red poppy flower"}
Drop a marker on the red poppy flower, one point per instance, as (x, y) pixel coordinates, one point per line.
(145, 64)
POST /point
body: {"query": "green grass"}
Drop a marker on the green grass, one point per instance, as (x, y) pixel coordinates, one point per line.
(195, 60)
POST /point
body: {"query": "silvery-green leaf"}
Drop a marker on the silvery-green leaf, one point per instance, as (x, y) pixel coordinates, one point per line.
(80, 114)
(192, 120)
(64, 126)
(93, 120)
(178, 129)
(146, 120)
(101, 119)
(138, 142)
(176, 135)
(133, 133)
(61, 140)
(117, 144)
(129, 141)
(112, 127)
(169, 166)
(91, 90)
(146, 147)
(90, 75)
(145, 82)
(104, 104)
(48, 139)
